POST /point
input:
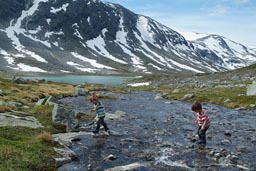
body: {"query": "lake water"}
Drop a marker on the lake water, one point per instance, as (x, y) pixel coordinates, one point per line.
(78, 79)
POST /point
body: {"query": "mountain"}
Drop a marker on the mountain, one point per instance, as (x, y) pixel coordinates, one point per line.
(66, 36)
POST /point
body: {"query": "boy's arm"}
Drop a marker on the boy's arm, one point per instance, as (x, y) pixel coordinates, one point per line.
(203, 126)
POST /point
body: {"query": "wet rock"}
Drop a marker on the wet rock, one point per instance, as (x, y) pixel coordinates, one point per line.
(118, 114)
(193, 139)
(67, 139)
(158, 96)
(242, 149)
(240, 108)
(131, 167)
(228, 133)
(110, 157)
(224, 161)
(62, 160)
(67, 156)
(225, 142)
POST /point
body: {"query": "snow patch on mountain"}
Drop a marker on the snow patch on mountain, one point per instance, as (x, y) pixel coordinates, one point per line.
(27, 68)
(98, 45)
(192, 35)
(91, 61)
(62, 8)
(81, 67)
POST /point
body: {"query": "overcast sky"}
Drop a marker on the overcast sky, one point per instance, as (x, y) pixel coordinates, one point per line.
(234, 19)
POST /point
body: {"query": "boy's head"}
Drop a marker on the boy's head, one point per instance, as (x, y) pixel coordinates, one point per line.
(196, 106)
(94, 98)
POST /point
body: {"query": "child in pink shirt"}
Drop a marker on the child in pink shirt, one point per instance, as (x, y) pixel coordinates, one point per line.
(203, 121)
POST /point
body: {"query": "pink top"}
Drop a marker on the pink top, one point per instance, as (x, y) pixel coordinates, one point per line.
(201, 118)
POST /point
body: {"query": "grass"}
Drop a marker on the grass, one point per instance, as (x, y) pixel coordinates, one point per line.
(27, 149)
(21, 150)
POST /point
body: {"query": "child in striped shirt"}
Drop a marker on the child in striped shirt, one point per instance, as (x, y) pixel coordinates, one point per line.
(203, 121)
(100, 110)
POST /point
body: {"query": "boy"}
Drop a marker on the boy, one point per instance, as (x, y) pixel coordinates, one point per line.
(203, 122)
(98, 107)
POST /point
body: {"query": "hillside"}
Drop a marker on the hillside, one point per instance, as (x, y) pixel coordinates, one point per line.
(91, 36)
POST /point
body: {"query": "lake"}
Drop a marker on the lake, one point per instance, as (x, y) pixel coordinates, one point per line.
(79, 79)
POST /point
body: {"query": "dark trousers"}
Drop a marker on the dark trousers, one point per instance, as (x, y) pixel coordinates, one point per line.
(101, 122)
(202, 134)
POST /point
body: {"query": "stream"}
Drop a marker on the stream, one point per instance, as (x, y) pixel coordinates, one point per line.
(161, 133)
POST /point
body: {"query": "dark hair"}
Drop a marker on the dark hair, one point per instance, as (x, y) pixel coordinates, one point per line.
(196, 106)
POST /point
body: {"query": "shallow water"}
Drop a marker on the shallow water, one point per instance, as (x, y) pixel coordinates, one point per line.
(160, 132)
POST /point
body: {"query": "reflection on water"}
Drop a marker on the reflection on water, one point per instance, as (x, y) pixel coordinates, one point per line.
(78, 79)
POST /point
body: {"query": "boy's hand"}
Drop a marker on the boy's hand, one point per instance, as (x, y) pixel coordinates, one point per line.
(93, 110)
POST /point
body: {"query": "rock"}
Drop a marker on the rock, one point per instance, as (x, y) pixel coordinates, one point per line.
(18, 80)
(67, 138)
(240, 108)
(224, 161)
(65, 116)
(228, 133)
(188, 96)
(81, 92)
(251, 89)
(49, 99)
(12, 104)
(61, 161)
(158, 96)
(131, 167)
(176, 91)
(110, 157)
(227, 101)
(9, 119)
(2, 93)
(118, 114)
(225, 142)
(252, 105)
(67, 156)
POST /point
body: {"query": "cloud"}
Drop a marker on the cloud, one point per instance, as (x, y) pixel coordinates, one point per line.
(219, 10)
(238, 1)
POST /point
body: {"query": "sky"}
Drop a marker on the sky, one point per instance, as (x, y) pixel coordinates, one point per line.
(233, 19)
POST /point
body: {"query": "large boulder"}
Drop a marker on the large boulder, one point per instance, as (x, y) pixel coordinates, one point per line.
(251, 89)
(49, 99)
(65, 116)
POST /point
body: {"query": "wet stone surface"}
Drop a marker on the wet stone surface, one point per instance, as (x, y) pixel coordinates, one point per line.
(161, 133)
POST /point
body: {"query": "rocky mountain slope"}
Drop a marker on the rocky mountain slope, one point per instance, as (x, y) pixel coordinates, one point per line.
(65, 36)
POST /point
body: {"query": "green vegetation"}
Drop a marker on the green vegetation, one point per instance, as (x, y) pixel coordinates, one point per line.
(21, 150)
(28, 149)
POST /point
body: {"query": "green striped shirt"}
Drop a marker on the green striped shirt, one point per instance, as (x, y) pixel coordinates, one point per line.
(99, 109)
